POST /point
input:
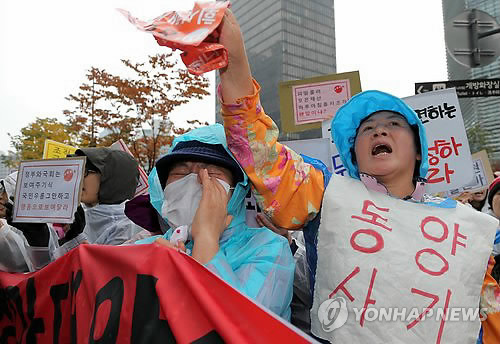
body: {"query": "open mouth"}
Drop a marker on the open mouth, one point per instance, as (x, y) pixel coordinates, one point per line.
(381, 149)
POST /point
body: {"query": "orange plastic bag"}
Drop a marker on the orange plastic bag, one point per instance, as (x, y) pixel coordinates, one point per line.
(193, 32)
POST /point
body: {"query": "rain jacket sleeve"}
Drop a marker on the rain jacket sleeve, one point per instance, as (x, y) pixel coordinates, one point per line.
(13, 250)
(266, 276)
(118, 233)
(490, 306)
(289, 190)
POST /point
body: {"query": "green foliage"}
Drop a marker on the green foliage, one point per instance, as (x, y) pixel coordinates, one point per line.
(30, 143)
(477, 139)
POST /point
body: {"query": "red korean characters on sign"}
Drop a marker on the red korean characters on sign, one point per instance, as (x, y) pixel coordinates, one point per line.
(398, 266)
(441, 151)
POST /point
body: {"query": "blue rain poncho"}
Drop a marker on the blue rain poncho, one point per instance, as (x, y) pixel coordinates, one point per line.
(255, 261)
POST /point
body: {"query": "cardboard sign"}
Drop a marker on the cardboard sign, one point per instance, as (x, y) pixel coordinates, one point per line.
(483, 175)
(307, 102)
(48, 190)
(132, 294)
(391, 271)
(450, 162)
(142, 186)
(56, 150)
(192, 32)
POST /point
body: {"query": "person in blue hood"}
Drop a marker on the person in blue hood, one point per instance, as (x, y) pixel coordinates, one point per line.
(199, 189)
(380, 139)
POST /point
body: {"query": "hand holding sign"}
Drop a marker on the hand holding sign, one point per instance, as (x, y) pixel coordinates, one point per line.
(37, 234)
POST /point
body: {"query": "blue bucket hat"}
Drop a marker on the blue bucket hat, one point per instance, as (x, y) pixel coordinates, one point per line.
(348, 118)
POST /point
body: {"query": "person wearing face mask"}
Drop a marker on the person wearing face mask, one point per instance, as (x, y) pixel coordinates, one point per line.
(110, 179)
(203, 202)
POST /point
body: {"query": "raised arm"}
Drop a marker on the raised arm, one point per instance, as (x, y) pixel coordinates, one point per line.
(288, 190)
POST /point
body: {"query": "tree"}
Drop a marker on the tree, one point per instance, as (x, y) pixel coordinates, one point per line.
(477, 139)
(136, 108)
(30, 143)
(93, 108)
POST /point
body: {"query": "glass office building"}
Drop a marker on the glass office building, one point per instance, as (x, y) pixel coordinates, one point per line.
(483, 112)
(287, 40)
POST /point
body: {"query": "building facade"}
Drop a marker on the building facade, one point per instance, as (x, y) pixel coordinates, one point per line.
(484, 112)
(286, 40)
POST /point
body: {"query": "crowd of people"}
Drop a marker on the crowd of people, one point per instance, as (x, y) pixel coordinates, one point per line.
(196, 200)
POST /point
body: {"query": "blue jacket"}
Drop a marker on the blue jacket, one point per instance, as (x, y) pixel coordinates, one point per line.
(255, 261)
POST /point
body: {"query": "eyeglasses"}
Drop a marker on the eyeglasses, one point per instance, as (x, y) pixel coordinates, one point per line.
(87, 172)
(2, 187)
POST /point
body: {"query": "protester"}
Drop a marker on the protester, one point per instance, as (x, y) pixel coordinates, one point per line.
(478, 199)
(494, 204)
(13, 245)
(204, 191)
(381, 142)
(34, 245)
(111, 178)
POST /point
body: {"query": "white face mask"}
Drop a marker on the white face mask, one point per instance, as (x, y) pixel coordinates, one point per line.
(182, 199)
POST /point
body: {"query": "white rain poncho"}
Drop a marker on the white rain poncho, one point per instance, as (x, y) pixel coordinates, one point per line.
(14, 256)
(13, 250)
(107, 224)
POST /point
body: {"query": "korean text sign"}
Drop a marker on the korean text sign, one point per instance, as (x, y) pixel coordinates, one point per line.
(56, 150)
(318, 101)
(483, 175)
(48, 190)
(450, 162)
(398, 265)
(305, 103)
(335, 160)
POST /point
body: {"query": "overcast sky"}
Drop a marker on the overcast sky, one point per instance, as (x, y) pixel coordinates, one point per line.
(46, 47)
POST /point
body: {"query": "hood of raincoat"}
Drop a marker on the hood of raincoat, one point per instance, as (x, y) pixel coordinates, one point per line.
(119, 173)
(10, 184)
(348, 118)
(214, 135)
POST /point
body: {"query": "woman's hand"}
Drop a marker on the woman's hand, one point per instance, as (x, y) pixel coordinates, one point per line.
(236, 78)
(263, 221)
(211, 218)
(464, 197)
(179, 246)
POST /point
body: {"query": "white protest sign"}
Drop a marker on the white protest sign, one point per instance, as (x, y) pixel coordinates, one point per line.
(483, 175)
(450, 162)
(142, 185)
(48, 191)
(337, 165)
(315, 102)
(391, 271)
(315, 148)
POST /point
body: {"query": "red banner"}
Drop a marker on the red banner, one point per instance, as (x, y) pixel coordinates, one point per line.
(131, 294)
